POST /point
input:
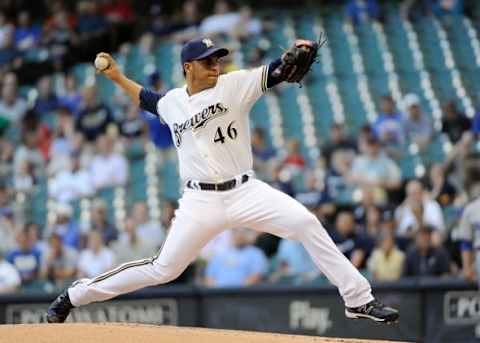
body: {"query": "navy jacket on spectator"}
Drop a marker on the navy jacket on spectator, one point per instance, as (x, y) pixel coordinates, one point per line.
(93, 122)
(435, 262)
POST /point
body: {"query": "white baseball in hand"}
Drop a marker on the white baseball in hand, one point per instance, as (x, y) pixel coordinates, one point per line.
(101, 63)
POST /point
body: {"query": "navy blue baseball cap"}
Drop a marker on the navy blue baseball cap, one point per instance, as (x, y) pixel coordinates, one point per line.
(200, 48)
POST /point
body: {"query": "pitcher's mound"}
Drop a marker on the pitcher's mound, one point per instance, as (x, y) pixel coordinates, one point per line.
(115, 333)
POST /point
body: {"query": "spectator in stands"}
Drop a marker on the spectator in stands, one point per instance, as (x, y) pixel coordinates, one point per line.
(242, 265)
(355, 246)
(359, 11)
(47, 100)
(294, 162)
(65, 226)
(263, 154)
(71, 98)
(27, 35)
(29, 153)
(118, 11)
(293, 261)
(101, 223)
(369, 198)
(339, 143)
(26, 258)
(443, 8)
(62, 142)
(59, 33)
(389, 127)
(90, 21)
(7, 31)
(7, 223)
(373, 221)
(12, 106)
(146, 229)
(184, 26)
(417, 125)
(34, 232)
(96, 259)
(424, 258)
(218, 245)
(387, 261)
(440, 188)
(226, 21)
(315, 195)
(246, 25)
(131, 246)
(73, 183)
(454, 123)
(419, 210)
(374, 169)
(469, 233)
(94, 117)
(168, 213)
(60, 266)
(108, 168)
(337, 178)
(415, 10)
(9, 277)
(24, 181)
(132, 125)
(282, 180)
(6, 157)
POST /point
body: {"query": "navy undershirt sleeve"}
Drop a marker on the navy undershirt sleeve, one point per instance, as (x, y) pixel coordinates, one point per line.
(149, 100)
(273, 80)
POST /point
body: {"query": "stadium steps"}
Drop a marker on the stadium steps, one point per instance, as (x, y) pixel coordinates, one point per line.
(322, 89)
(351, 80)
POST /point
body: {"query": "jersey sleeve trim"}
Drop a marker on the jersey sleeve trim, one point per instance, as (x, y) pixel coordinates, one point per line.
(149, 100)
(264, 78)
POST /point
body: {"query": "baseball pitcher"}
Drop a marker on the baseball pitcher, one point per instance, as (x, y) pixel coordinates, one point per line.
(209, 123)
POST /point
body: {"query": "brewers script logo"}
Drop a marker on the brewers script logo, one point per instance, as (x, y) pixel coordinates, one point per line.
(198, 121)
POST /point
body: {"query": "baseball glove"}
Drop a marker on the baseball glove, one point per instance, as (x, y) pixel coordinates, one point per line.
(297, 60)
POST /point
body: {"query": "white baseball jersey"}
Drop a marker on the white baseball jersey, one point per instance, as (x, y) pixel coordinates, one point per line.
(212, 135)
(211, 128)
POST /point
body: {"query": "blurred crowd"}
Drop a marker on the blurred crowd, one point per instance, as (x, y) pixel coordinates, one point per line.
(64, 136)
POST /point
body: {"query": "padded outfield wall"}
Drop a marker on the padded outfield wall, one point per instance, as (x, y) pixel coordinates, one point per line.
(431, 310)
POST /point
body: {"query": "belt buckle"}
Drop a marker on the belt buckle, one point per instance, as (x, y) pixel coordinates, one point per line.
(216, 187)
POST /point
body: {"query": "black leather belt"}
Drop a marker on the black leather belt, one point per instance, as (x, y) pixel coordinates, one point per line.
(224, 186)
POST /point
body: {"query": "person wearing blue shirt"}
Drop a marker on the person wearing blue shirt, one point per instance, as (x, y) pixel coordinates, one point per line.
(159, 131)
(389, 125)
(27, 36)
(242, 265)
(293, 260)
(26, 259)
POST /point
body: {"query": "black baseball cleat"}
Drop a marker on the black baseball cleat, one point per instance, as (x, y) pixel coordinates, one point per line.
(375, 311)
(59, 309)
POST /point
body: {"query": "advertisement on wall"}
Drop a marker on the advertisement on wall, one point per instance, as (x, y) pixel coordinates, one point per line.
(156, 311)
(453, 316)
(309, 314)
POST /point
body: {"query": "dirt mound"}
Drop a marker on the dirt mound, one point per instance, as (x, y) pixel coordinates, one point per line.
(115, 333)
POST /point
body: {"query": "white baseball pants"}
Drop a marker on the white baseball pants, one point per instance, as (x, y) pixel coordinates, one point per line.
(204, 214)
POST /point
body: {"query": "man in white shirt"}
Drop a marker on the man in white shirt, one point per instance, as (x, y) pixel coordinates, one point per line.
(96, 259)
(9, 276)
(419, 210)
(210, 128)
(71, 184)
(148, 230)
(108, 168)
